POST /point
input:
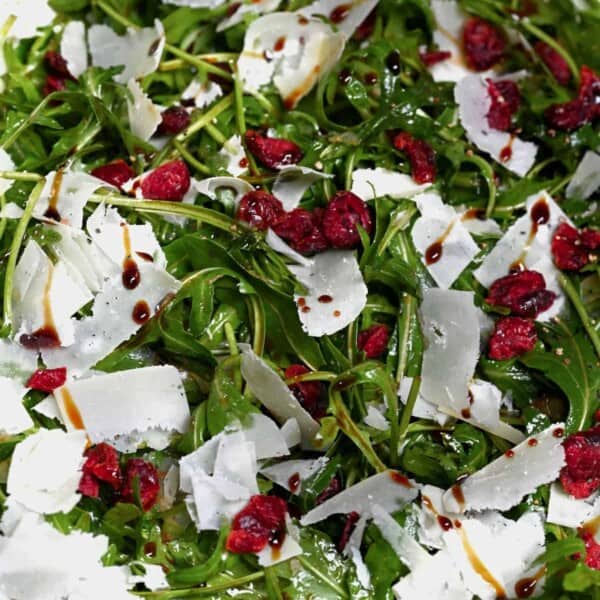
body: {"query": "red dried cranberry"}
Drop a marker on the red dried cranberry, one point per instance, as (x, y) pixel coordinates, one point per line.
(47, 380)
(556, 64)
(308, 393)
(272, 152)
(262, 520)
(374, 340)
(174, 120)
(580, 477)
(584, 109)
(506, 98)
(148, 483)
(592, 550)
(512, 336)
(333, 487)
(343, 213)
(483, 44)
(54, 83)
(523, 292)
(56, 63)
(302, 230)
(571, 248)
(101, 464)
(366, 28)
(349, 525)
(433, 57)
(420, 154)
(260, 209)
(116, 172)
(170, 181)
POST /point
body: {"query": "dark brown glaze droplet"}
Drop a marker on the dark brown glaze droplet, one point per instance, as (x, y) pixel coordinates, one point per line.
(339, 13)
(433, 253)
(44, 337)
(294, 483)
(506, 152)
(392, 62)
(52, 210)
(345, 76)
(301, 302)
(532, 442)
(524, 588)
(509, 453)
(540, 212)
(279, 44)
(344, 383)
(558, 432)
(400, 479)
(444, 522)
(141, 312)
(336, 313)
(145, 256)
(131, 274)
(458, 495)
(474, 213)
(371, 78)
(325, 298)
(465, 413)
(305, 309)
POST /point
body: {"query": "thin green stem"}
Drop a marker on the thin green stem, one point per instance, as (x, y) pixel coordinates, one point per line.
(488, 174)
(206, 118)
(10, 140)
(258, 324)
(399, 223)
(409, 407)
(14, 254)
(20, 176)
(215, 134)
(190, 158)
(238, 91)
(408, 308)
(319, 574)
(272, 581)
(312, 376)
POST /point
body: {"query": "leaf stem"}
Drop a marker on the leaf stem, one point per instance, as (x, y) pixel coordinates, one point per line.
(409, 406)
(318, 573)
(488, 174)
(206, 118)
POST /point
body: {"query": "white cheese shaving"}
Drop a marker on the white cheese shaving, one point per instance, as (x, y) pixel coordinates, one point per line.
(254, 7)
(11, 211)
(234, 156)
(291, 183)
(334, 274)
(586, 179)
(478, 226)
(267, 438)
(375, 418)
(290, 431)
(30, 15)
(422, 409)
(45, 468)
(430, 515)
(296, 471)
(16, 362)
(141, 401)
(6, 164)
(374, 183)
(139, 51)
(350, 15)
(440, 228)
(273, 240)
(14, 418)
(202, 93)
(154, 577)
(292, 51)
(144, 115)
(474, 103)
(502, 484)
(73, 47)
(290, 548)
(210, 186)
(389, 489)
(565, 510)
(451, 331)
(278, 399)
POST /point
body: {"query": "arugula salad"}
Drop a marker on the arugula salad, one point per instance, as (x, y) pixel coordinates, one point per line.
(300, 299)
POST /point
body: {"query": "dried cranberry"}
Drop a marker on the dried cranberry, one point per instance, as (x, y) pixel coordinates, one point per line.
(523, 292)
(101, 464)
(343, 213)
(592, 550)
(302, 230)
(483, 44)
(54, 83)
(260, 209)
(116, 172)
(556, 64)
(349, 525)
(366, 28)
(584, 109)
(333, 487)
(174, 120)
(170, 181)
(433, 57)
(505, 98)
(272, 152)
(374, 340)
(47, 380)
(571, 248)
(512, 336)
(580, 477)
(308, 393)
(420, 154)
(260, 521)
(148, 483)
(56, 63)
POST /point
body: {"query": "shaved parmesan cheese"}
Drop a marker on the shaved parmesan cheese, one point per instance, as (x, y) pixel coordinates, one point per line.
(271, 391)
(374, 183)
(479, 226)
(6, 164)
(493, 554)
(269, 556)
(139, 401)
(565, 510)
(451, 330)
(290, 431)
(310, 49)
(16, 362)
(41, 563)
(474, 102)
(255, 7)
(291, 183)
(273, 240)
(30, 15)
(431, 516)
(422, 408)
(234, 156)
(266, 436)
(45, 470)
(202, 93)
(144, 115)
(334, 273)
(294, 471)
(376, 419)
(139, 51)
(66, 193)
(586, 179)
(352, 14)
(212, 186)
(111, 322)
(352, 551)
(14, 418)
(501, 484)
(73, 47)
(11, 211)
(154, 577)
(389, 489)
(49, 408)
(445, 245)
